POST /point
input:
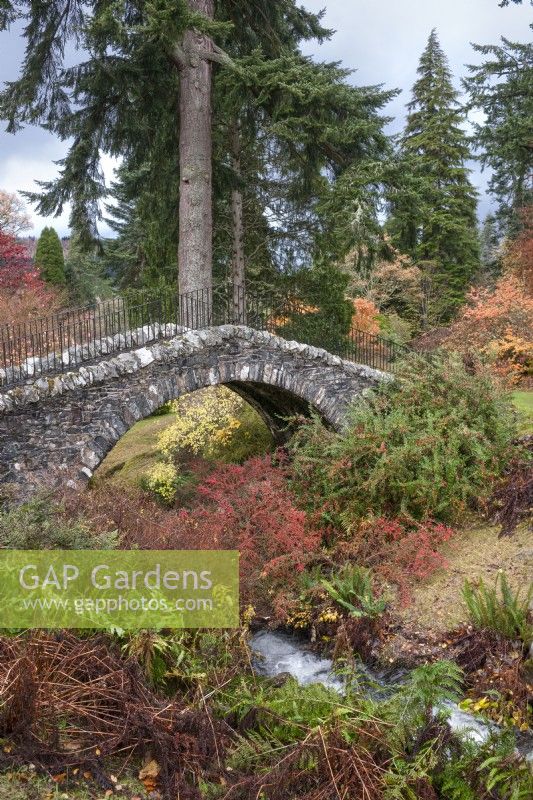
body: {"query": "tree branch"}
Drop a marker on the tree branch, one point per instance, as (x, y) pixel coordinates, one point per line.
(182, 57)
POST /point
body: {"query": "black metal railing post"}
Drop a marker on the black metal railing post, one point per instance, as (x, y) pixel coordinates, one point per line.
(66, 339)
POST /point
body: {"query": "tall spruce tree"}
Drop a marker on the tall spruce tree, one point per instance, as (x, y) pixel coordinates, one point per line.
(286, 131)
(49, 257)
(144, 58)
(433, 209)
(502, 88)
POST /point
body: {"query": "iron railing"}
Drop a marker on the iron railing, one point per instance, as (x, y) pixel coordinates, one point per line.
(60, 342)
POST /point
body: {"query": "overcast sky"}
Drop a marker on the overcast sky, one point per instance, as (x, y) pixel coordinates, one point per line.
(381, 39)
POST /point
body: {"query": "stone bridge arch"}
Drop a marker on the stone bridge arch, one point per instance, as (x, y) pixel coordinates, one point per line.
(59, 429)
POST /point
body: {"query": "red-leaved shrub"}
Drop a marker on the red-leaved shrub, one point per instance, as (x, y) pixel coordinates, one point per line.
(23, 293)
(249, 508)
(245, 507)
(399, 552)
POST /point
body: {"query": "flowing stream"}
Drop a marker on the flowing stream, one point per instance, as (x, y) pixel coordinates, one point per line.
(279, 653)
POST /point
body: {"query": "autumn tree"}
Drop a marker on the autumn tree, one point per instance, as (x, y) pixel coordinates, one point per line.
(497, 321)
(518, 252)
(14, 218)
(393, 284)
(433, 206)
(14, 261)
(23, 293)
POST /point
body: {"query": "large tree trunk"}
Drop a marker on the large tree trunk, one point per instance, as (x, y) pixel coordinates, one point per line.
(195, 249)
(238, 277)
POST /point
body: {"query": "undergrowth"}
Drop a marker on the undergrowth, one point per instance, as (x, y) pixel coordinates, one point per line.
(41, 524)
(500, 609)
(428, 444)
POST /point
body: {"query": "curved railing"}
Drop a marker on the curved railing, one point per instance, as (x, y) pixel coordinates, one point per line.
(66, 340)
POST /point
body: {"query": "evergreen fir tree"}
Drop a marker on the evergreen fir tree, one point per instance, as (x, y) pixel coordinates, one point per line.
(322, 293)
(502, 88)
(145, 62)
(86, 276)
(433, 210)
(301, 126)
(49, 257)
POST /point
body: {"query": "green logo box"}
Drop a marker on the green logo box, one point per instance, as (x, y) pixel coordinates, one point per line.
(119, 589)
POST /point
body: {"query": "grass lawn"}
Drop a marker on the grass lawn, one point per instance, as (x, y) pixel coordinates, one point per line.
(524, 403)
(136, 452)
(476, 552)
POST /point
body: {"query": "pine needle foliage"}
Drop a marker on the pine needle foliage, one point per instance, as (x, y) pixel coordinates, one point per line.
(501, 87)
(428, 444)
(433, 209)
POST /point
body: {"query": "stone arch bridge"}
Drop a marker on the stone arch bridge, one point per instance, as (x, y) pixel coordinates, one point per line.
(58, 428)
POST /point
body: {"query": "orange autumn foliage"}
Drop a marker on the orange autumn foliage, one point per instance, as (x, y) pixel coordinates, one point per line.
(518, 256)
(365, 317)
(499, 325)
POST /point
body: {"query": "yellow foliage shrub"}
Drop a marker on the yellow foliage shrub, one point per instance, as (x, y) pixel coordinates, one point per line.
(512, 356)
(163, 480)
(206, 422)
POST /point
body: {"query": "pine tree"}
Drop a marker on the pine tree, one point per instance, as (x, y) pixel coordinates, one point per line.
(433, 209)
(287, 131)
(49, 257)
(145, 59)
(502, 88)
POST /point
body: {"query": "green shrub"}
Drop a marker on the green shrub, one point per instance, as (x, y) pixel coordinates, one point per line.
(427, 444)
(40, 525)
(251, 438)
(318, 312)
(165, 409)
(163, 480)
(499, 609)
(352, 589)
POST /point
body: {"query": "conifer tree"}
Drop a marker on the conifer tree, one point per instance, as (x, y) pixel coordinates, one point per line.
(301, 128)
(433, 210)
(502, 88)
(145, 61)
(49, 257)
